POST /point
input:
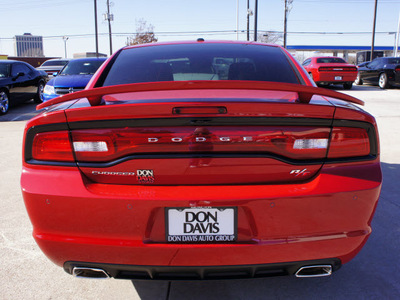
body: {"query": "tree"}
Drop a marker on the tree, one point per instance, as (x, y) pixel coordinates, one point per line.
(144, 34)
(269, 37)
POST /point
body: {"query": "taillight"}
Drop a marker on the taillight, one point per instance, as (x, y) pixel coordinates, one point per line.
(337, 69)
(52, 146)
(109, 144)
(397, 69)
(349, 142)
(290, 142)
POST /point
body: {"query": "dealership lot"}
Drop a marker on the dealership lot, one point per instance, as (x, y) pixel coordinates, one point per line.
(27, 274)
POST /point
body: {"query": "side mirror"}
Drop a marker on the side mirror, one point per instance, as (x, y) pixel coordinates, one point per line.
(55, 74)
(18, 75)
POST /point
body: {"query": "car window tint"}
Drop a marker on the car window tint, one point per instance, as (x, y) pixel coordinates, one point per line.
(5, 70)
(375, 63)
(394, 61)
(54, 63)
(20, 68)
(81, 67)
(306, 62)
(200, 62)
(330, 60)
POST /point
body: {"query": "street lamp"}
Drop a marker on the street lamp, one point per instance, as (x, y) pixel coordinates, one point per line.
(65, 38)
(95, 28)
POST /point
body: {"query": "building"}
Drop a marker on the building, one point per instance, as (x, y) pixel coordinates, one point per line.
(301, 52)
(89, 54)
(28, 45)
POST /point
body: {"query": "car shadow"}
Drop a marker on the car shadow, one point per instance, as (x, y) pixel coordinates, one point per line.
(20, 111)
(372, 274)
(364, 87)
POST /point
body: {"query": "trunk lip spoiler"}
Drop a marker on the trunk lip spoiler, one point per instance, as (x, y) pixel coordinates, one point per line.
(95, 95)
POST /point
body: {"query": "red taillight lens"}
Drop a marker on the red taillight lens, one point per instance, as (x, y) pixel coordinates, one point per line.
(337, 69)
(52, 146)
(397, 69)
(349, 142)
(110, 144)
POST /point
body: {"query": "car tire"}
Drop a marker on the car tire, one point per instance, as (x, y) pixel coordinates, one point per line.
(383, 81)
(39, 94)
(358, 80)
(4, 102)
(347, 85)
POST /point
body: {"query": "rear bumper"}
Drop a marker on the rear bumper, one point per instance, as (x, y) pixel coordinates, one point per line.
(200, 272)
(330, 77)
(77, 221)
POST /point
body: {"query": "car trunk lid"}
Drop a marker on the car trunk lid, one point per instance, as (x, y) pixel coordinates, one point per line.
(201, 137)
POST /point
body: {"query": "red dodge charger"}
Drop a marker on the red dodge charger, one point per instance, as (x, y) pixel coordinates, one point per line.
(201, 160)
(327, 70)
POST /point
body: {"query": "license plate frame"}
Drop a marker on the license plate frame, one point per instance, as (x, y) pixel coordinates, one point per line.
(224, 218)
(338, 78)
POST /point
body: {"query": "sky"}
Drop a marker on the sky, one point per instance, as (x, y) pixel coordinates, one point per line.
(310, 22)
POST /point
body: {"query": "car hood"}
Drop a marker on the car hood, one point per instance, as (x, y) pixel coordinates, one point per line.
(70, 80)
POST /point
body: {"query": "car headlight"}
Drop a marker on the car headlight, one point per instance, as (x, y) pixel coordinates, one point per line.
(49, 89)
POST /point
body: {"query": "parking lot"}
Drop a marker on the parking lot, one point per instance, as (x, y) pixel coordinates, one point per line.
(374, 274)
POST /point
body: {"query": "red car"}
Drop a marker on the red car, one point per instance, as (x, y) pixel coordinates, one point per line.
(201, 160)
(331, 70)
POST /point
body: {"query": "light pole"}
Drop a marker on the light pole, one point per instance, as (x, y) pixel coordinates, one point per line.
(237, 19)
(65, 38)
(95, 28)
(255, 20)
(109, 17)
(373, 32)
(288, 7)
(396, 46)
(249, 13)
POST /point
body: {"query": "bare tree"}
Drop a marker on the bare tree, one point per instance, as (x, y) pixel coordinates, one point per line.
(270, 37)
(144, 34)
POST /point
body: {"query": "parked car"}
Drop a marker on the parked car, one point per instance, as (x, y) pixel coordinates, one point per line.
(383, 71)
(326, 70)
(73, 77)
(250, 171)
(19, 81)
(52, 66)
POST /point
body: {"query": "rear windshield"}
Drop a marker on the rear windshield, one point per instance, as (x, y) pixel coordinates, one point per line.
(201, 61)
(51, 63)
(330, 60)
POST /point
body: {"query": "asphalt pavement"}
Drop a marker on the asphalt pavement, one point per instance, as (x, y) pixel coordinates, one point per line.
(25, 273)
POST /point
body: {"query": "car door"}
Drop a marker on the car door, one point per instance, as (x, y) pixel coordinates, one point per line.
(23, 82)
(372, 70)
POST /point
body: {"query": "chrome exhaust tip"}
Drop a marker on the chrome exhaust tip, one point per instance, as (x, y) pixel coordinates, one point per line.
(314, 271)
(84, 272)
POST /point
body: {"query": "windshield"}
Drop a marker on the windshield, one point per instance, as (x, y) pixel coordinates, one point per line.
(202, 61)
(82, 67)
(51, 63)
(5, 70)
(330, 60)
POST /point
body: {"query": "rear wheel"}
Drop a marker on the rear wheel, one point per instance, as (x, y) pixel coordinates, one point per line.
(383, 81)
(347, 85)
(39, 94)
(4, 102)
(358, 80)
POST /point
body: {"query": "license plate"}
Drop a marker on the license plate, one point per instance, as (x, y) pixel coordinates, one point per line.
(201, 224)
(338, 77)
